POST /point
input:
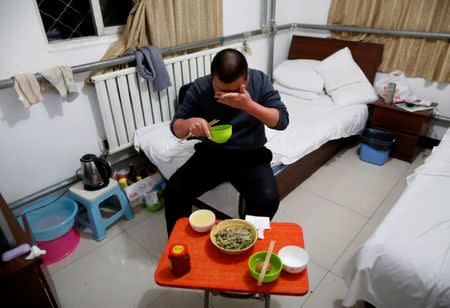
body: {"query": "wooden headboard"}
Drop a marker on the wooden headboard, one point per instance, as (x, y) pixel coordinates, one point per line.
(367, 55)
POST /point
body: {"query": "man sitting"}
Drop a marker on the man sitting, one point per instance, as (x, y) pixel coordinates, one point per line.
(244, 98)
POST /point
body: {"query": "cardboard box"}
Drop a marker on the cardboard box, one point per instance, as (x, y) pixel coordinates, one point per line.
(135, 192)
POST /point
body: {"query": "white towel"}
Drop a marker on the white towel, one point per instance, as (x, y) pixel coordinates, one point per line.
(61, 77)
(27, 88)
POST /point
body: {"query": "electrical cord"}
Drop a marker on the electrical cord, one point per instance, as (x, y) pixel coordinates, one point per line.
(50, 203)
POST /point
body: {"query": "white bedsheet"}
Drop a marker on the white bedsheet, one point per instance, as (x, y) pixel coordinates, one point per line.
(406, 262)
(311, 124)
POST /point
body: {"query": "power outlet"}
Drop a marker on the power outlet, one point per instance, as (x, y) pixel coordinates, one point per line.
(103, 145)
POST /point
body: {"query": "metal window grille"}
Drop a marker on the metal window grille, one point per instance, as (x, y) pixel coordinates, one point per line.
(66, 19)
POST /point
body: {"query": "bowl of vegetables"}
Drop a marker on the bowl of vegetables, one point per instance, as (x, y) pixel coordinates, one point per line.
(234, 236)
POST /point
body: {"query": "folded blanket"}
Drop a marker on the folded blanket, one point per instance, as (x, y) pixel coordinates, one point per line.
(61, 77)
(27, 88)
(150, 66)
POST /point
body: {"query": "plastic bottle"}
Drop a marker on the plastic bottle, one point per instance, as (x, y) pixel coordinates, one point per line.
(15, 252)
(132, 174)
(179, 259)
(152, 201)
(123, 183)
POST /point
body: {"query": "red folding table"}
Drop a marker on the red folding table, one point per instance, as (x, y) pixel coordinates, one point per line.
(214, 271)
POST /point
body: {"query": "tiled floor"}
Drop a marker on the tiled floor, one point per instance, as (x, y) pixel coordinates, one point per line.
(339, 207)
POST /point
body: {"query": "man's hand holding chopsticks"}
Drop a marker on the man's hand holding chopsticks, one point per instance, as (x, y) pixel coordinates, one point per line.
(198, 127)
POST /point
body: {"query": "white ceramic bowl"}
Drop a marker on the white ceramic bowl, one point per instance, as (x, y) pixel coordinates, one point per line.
(202, 220)
(294, 258)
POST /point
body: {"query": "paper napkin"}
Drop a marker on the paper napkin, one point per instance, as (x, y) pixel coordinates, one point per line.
(261, 223)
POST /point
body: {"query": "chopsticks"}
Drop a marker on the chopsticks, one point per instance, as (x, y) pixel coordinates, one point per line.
(266, 263)
(213, 122)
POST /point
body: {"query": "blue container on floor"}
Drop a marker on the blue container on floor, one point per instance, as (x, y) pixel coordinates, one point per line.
(51, 217)
(375, 146)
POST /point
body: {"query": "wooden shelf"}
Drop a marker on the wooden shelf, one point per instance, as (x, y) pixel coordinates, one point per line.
(406, 126)
(24, 283)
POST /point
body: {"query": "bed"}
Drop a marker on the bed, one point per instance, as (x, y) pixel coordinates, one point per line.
(319, 130)
(406, 262)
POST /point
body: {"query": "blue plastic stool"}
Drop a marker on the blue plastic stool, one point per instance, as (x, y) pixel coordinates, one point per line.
(92, 200)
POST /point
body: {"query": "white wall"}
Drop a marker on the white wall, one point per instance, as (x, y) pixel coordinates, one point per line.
(298, 11)
(41, 146)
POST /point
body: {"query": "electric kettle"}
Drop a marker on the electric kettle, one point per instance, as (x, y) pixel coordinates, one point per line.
(94, 172)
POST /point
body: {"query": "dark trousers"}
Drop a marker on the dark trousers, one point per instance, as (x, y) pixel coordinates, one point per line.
(248, 171)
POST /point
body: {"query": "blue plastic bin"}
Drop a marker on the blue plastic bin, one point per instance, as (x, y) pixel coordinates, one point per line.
(48, 222)
(375, 146)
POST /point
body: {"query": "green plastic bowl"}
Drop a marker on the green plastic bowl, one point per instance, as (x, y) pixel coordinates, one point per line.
(273, 273)
(221, 133)
(154, 207)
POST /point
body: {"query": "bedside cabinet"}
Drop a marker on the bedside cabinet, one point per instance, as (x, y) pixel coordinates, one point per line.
(406, 126)
(24, 283)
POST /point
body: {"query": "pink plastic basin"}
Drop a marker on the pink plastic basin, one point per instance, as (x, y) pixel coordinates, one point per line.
(60, 247)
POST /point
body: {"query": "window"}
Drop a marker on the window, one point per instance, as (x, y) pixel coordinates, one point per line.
(67, 19)
(110, 15)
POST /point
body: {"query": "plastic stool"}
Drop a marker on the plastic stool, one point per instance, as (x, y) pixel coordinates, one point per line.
(92, 200)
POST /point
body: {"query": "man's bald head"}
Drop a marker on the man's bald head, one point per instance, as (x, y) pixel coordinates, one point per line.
(229, 65)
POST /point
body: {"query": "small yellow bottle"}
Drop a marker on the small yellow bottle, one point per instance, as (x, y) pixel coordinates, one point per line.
(123, 183)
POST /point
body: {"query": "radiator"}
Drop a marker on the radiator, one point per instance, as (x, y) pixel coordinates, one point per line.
(127, 101)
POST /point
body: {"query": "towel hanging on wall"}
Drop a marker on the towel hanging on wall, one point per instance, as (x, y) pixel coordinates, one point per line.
(61, 77)
(27, 88)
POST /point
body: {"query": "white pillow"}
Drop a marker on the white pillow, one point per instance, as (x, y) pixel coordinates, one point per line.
(299, 75)
(307, 95)
(354, 93)
(344, 80)
(339, 70)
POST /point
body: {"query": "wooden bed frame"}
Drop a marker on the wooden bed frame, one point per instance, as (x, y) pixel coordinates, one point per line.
(368, 56)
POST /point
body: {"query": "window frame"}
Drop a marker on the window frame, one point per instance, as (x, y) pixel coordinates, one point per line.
(98, 21)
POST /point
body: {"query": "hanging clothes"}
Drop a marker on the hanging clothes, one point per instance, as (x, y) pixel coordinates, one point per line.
(165, 23)
(27, 88)
(150, 66)
(61, 78)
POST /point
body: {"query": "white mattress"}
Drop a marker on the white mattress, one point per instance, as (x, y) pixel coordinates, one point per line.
(406, 262)
(311, 124)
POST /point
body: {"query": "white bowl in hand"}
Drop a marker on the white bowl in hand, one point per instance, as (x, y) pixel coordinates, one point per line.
(202, 220)
(294, 259)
